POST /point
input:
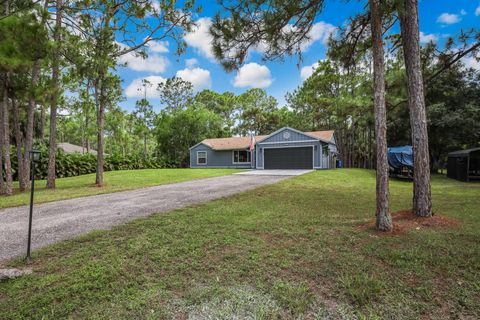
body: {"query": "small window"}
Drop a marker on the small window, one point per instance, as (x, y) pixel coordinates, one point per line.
(326, 151)
(241, 156)
(201, 157)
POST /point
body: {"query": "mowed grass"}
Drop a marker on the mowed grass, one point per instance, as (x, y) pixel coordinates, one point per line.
(291, 250)
(80, 186)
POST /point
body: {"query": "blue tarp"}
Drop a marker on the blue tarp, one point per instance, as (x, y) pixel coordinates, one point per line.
(400, 156)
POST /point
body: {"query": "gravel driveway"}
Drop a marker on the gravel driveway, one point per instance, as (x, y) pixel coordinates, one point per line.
(60, 220)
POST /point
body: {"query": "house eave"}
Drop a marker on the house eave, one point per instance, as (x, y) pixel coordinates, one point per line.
(201, 142)
(294, 130)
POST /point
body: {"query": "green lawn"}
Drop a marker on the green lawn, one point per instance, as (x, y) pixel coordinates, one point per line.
(285, 251)
(74, 187)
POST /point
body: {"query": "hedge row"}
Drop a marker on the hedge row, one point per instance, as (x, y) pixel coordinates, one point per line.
(75, 164)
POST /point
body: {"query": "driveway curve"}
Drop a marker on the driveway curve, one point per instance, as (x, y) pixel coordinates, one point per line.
(60, 220)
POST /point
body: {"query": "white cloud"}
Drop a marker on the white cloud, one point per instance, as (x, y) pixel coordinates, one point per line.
(426, 38)
(155, 8)
(154, 63)
(471, 62)
(307, 71)
(477, 11)
(320, 31)
(190, 63)
(253, 75)
(136, 89)
(158, 46)
(448, 18)
(201, 39)
(199, 78)
(463, 12)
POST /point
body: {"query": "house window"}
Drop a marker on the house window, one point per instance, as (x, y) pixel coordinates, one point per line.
(326, 151)
(201, 157)
(241, 156)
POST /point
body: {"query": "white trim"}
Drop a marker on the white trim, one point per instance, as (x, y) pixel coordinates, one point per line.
(233, 157)
(294, 130)
(206, 157)
(283, 147)
(320, 156)
(201, 142)
(278, 142)
(223, 167)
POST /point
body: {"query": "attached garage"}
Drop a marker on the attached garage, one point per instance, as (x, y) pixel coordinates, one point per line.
(286, 148)
(288, 158)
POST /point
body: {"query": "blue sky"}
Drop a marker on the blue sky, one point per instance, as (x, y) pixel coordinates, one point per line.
(438, 20)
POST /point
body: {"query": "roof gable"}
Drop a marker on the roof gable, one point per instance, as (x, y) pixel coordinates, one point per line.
(287, 134)
(240, 143)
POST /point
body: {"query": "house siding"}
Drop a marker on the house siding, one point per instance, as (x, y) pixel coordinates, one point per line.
(317, 151)
(294, 136)
(323, 153)
(296, 139)
(215, 159)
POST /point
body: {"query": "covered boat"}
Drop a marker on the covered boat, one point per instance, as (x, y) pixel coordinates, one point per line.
(400, 160)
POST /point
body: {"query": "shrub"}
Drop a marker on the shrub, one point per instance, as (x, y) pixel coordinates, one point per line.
(75, 164)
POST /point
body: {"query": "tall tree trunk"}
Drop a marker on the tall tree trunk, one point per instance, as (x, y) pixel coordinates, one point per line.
(87, 124)
(30, 120)
(100, 123)
(5, 132)
(6, 141)
(422, 199)
(145, 151)
(86, 110)
(22, 181)
(2, 133)
(2, 181)
(370, 148)
(52, 148)
(383, 218)
(42, 123)
(32, 104)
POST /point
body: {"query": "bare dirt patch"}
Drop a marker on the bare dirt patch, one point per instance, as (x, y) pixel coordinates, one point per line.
(406, 220)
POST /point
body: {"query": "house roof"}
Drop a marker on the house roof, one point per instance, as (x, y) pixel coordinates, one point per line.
(231, 143)
(71, 148)
(326, 135)
(463, 153)
(238, 143)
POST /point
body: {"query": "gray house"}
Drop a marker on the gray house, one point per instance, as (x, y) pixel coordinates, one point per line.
(286, 148)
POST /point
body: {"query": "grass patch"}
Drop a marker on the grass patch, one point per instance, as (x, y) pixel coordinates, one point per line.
(242, 301)
(362, 287)
(80, 186)
(295, 297)
(284, 251)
